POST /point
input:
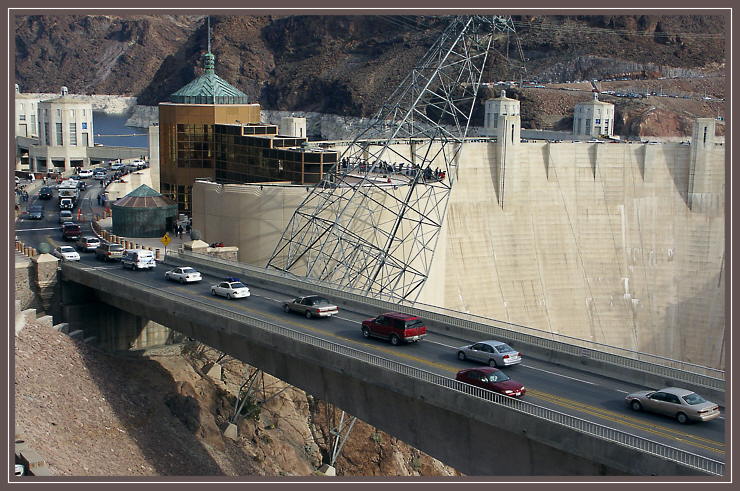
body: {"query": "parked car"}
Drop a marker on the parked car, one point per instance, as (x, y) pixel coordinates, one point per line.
(88, 243)
(184, 274)
(138, 259)
(71, 232)
(682, 404)
(395, 327)
(85, 173)
(231, 288)
(311, 306)
(65, 216)
(109, 252)
(46, 192)
(493, 353)
(35, 212)
(491, 379)
(66, 253)
(20, 470)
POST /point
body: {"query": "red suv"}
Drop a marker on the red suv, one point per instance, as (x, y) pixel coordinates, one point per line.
(395, 327)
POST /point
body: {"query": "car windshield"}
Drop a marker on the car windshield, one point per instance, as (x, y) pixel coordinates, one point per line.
(693, 399)
(498, 377)
(188, 270)
(66, 249)
(414, 323)
(237, 285)
(504, 348)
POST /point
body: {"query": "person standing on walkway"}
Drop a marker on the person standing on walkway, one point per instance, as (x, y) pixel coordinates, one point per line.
(179, 231)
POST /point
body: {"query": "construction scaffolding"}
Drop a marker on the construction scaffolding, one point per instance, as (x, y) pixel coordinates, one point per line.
(372, 224)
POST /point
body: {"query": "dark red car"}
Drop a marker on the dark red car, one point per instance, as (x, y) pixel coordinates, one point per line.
(395, 327)
(491, 379)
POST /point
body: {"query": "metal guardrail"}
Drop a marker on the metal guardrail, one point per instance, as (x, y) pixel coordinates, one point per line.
(645, 362)
(683, 457)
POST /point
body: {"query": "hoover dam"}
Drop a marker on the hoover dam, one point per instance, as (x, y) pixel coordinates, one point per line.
(618, 243)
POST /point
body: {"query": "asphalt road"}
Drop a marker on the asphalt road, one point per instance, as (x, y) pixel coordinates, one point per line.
(570, 391)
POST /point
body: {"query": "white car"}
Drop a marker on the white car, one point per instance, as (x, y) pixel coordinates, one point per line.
(85, 173)
(66, 253)
(185, 274)
(230, 289)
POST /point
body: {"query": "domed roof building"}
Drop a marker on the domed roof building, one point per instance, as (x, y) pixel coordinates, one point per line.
(143, 213)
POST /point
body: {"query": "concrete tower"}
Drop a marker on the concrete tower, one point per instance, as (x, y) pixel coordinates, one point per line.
(593, 118)
(503, 122)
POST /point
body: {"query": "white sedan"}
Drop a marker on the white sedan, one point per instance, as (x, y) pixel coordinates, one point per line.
(66, 253)
(230, 289)
(183, 275)
(85, 173)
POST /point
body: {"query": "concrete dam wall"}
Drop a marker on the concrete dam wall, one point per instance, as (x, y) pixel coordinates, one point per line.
(621, 244)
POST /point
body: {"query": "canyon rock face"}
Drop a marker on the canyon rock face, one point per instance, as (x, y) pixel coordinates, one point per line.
(347, 65)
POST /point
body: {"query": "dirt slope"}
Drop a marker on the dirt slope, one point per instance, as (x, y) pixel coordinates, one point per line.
(89, 413)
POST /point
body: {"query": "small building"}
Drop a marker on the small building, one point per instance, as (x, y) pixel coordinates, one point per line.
(593, 118)
(495, 109)
(143, 212)
(65, 133)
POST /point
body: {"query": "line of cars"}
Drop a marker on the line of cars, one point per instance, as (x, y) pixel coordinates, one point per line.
(398, 328)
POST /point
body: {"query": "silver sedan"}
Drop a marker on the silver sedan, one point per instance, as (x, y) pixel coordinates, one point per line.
(493, 353)
(681, 404)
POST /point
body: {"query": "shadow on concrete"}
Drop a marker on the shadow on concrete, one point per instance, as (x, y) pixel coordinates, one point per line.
(680, 175)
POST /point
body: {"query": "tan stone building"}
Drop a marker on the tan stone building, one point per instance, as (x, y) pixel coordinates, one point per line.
(593, 118)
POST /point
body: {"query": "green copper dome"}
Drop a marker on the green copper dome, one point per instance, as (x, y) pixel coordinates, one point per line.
(209, 88)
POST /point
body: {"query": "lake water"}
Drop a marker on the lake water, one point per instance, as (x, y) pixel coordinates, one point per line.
(118, 133)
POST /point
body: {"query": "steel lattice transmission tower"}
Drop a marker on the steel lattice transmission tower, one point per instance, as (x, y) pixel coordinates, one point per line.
(374, 228)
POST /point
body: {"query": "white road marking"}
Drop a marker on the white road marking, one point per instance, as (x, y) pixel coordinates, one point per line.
(441, 344)
(559, 375)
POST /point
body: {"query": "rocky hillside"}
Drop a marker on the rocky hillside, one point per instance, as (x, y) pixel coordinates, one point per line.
(88, 413)
(340, 64)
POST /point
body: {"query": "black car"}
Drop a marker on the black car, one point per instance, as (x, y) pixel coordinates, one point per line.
(35, 212)
(46, 193)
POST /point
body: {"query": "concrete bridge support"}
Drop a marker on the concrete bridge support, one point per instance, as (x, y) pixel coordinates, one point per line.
(113, 329)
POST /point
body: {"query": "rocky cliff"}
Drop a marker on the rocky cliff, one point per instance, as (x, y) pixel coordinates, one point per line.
(344, 65)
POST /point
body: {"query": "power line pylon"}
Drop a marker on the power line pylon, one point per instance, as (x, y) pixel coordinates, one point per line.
(373, 227)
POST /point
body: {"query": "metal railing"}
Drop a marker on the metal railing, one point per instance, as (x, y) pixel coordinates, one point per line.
(606, 433)
(645, 362)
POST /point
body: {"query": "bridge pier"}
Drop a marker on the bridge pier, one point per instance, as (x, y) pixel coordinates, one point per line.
(114, 329)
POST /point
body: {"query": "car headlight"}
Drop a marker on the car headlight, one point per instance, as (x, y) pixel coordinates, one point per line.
(508, 392)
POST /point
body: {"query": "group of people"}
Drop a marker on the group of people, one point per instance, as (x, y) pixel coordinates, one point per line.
(20, 191)
(383, 167)
(179, 228)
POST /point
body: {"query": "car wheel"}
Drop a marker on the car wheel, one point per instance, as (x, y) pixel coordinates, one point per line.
(286, 309)
(366, 332)
(492, 363)
(636, 406)
(228, 295)
(461, 356)
(213, 292)
(182, 281)
(682, 418)
(394, 340)
(308, 314)
(134, 267)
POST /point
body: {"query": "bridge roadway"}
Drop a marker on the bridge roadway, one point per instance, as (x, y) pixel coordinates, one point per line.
(578, 393)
